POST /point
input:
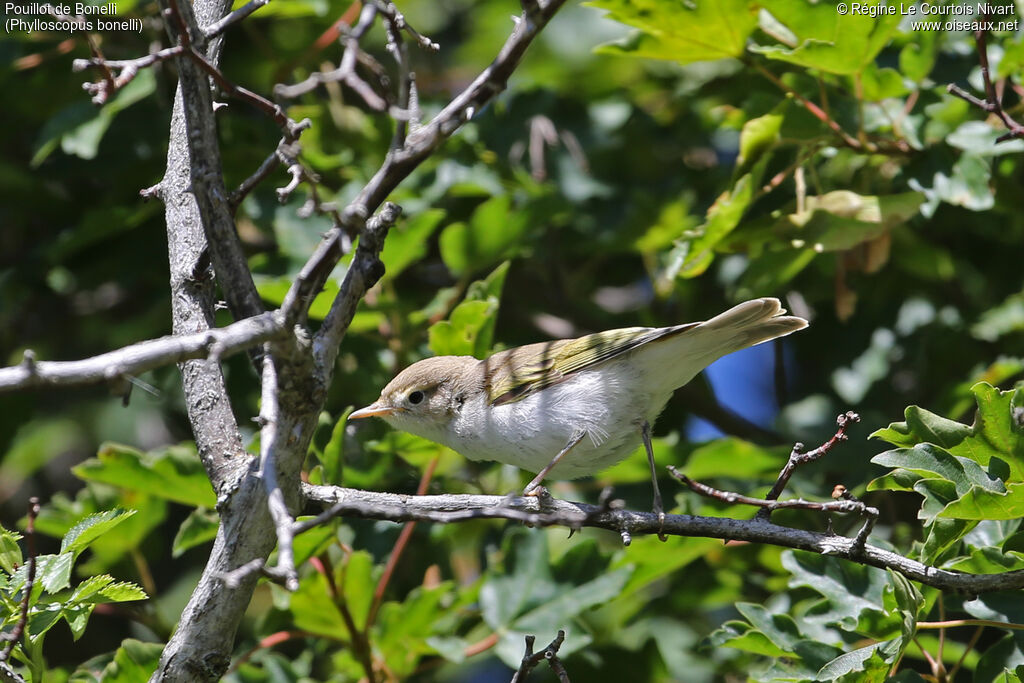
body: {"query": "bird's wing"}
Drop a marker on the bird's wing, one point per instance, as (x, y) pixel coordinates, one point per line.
(515, 374)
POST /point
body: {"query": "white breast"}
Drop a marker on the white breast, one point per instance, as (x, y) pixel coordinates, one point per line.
(608, 406)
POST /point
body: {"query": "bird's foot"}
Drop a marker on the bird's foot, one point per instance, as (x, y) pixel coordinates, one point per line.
(661, 523)
(536, 491)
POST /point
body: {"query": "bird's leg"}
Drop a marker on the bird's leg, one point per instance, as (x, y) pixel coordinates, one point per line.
(645, 433)
(532, 489)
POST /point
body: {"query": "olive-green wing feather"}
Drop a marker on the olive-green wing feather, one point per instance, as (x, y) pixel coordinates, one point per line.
(515, 374)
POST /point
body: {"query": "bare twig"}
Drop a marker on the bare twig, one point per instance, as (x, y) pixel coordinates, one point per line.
(128, 69)
(992, 102)
(797, 457)
(844, 502)
(269, 445)
(395, 17)
(364, 271)
(218, 27)
(532, 659)
(30, 577)
(214, 344)
(795, 503)
(346, 72)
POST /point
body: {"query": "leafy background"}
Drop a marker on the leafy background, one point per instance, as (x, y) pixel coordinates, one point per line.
(690, 157)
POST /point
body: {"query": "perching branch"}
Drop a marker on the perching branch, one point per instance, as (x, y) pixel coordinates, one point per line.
(446, 509)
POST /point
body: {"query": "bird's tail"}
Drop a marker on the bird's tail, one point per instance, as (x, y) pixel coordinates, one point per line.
(687, 349)
(750, 323)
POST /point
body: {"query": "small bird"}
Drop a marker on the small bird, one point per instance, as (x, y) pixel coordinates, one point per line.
(572, 407)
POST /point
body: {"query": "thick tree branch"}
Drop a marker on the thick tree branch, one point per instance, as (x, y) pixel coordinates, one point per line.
(208, 192)
(198, 213)
(446, 509)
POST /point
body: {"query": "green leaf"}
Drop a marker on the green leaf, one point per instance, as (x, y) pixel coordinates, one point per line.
(408, 242)
(526, 584)
(54, 571)
(968, 185)
(848, 589)
(469, 330)
(977, 137)
(90, 587)
(334, 451)
(572, 601)
(494, 232)
(314, 541)
(43, 620)
(742, 636)
(79, 128)
(921, 426)
(80, 536)
(402, 630)
(356, 582)
(35, 444)
(759, 136)
(998, 663)
(10, 551)
(881, 83)
(982, 503)
(704, 31)
(122, 591)
(134, 662)
(997, 432)
(989, 560)
(733, 457)
(840, 220)
(451, 648)
(199, 527)
(491, 286)
(174, 473)
(779, 628)
(769, 272)
(1005, 606)
(77, 617)
(917, 58)
(722, 218)
(1006, 318)
(313, 612)
(861, 661)
(926, 459)
(461, 334)
(827, 40)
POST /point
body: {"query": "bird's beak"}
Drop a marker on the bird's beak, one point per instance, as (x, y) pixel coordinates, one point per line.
(372, 410)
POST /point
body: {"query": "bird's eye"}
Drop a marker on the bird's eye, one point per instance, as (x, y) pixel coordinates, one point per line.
(416, 397)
